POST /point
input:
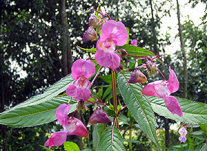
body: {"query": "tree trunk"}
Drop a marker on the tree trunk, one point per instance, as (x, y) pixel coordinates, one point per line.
(154, 37)
(183, 51)
(167, 134)
(65, 41)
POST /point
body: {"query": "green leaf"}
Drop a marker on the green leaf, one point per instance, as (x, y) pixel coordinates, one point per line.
(96, 137)
(107, 143)
(39, 109)
(70, 146)
(92, 50)
(33, 115)
(193, 112)
(136, 51)
(138, 106)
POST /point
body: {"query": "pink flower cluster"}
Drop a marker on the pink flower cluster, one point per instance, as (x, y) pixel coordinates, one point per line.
(82, 70)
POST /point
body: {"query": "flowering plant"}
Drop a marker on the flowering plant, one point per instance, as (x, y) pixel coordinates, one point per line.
(127, 65)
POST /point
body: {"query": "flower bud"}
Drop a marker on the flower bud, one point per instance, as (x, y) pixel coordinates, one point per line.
(89, 34)
(93, 21)
(152, 68)
(137, 76)
(99, 116)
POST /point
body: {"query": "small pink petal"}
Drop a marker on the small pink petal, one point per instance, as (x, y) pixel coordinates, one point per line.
(115, 31)
(72, 91)
(62, 113)
(56, 139)
(182, 139)
(75, 127)
(149, 89)
(183, 131)
(173, 83)
(173, 105)
(81, 67)
(106, 58)
(99, 116)
(134, 42)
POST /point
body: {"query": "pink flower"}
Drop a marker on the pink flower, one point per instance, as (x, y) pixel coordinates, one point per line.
(112, 34)
(134, 42)
(81, 71)
(89, 34)
(71, 126)
(99, 116)
(163, 89)
(183, 132)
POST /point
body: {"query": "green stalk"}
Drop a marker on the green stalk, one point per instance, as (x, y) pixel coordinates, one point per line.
(113, 78)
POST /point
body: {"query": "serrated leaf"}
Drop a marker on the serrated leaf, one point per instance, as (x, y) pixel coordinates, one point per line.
(109, 144)
(34, 115)
(39, 109)
(138, 106)
(92, 50)
(71, 146)
(136, 51)
(193, 112)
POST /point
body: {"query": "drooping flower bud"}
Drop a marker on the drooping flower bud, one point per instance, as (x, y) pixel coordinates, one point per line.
(137, 76)
(89, 34)
(99, 116)
(134, 42)
(93, 21)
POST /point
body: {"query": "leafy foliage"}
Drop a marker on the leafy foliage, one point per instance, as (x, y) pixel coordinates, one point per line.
(140, 109)
(193, 112)
(39, 109)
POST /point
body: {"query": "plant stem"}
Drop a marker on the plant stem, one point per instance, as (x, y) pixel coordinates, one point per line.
(96, 75)
(113, 78)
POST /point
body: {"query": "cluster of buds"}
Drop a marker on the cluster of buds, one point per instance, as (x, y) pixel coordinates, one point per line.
(95, 26)
(152, 68)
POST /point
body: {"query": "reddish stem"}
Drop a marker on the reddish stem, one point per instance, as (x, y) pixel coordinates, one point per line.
(96, 76)
(162, 75)
(96, 102)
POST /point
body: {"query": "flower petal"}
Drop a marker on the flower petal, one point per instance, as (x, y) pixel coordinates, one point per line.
(173, 83)
(81, 67)
(72, 91)
(75, 127)
(183, 131)
(99, 116)
(62, 113)
(115, 31)
(149, 89)
(56, 139)
(182, 139)
(173, 105)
